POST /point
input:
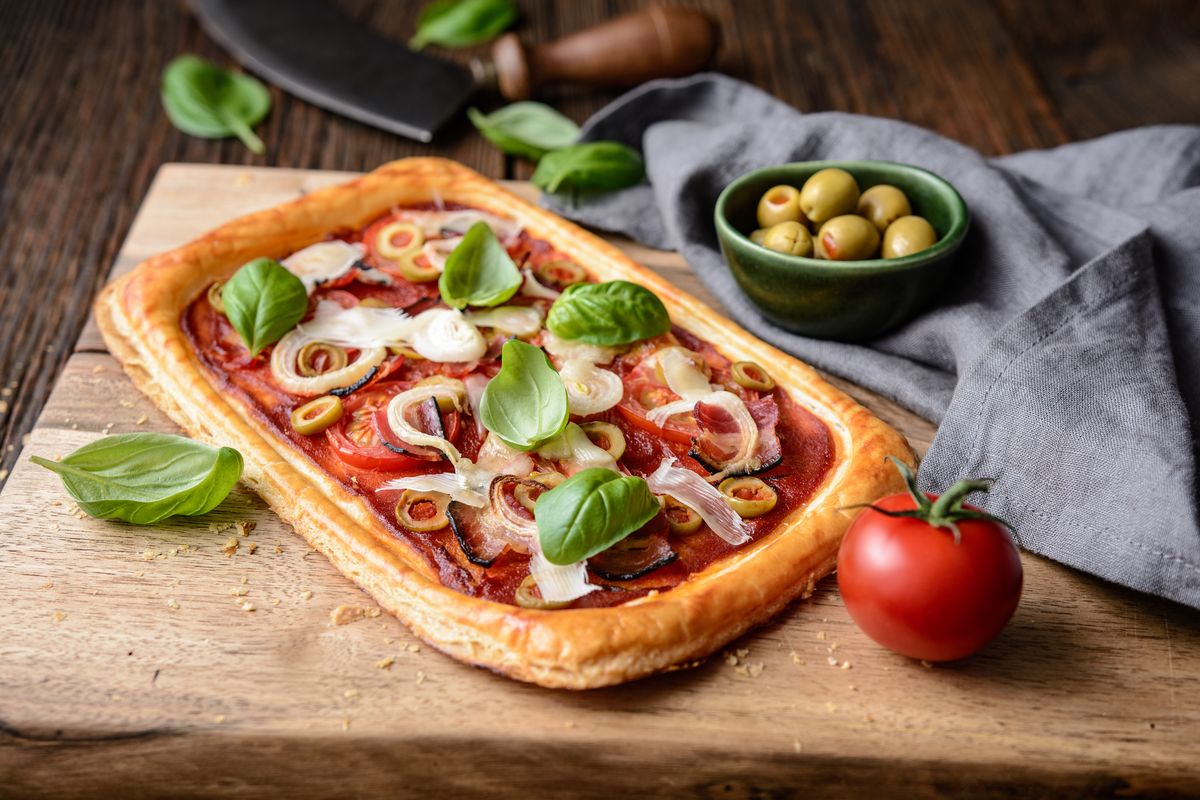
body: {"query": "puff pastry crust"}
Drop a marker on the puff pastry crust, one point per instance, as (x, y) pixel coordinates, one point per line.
(139, 315)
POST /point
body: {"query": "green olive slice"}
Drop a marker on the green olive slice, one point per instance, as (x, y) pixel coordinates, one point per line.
(528, 596)
(684, 520)
(749, 497)
(560, 273)
(416, 267)
(410, 238)
(317, 415)
(317, 358)
(214, 297)
(422, 511)
(523, 492)
(374, 302)
(607, 437)
(750, 375)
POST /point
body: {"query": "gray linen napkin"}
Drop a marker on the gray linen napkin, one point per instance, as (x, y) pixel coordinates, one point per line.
(1064, 361)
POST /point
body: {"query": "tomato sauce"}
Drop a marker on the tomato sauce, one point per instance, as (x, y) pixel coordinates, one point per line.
(807, 444)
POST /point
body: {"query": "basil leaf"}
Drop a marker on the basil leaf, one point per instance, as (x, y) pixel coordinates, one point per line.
(525, 129)
(526, 403)
(204, 100)
(263, 301)
(610, 313)
(458, 23)
(602, 166)
(478, 271)
(146, 477)
(591, 511)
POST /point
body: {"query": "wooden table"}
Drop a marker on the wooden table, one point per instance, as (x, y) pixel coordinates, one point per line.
(130, 665)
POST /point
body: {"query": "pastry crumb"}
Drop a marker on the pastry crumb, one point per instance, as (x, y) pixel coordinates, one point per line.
(219, 718)
(141, 420)
(742, 652)
(239, 591)
(247, 606)
(420, 677)
(59, 616)
(413, 648)
(797, 746)
(172, 604)
(231, 546)
(831, 707)
(245, 527)
(346, 724)
(385, 663)
(821, 635)
(846, 665)
(243, 179)
(730, 658)
(252, 548)
(350, 694)
(48, 585)
(927, 664)
(347, 614)
(306, 594)
(278, 549)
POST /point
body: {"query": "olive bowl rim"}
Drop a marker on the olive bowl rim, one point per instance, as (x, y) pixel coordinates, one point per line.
(945, 246)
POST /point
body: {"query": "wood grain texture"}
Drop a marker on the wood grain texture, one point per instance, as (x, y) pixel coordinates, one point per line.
(84, 133)
(131, 669)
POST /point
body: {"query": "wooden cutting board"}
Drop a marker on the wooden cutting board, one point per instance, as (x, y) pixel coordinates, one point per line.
(189, 660)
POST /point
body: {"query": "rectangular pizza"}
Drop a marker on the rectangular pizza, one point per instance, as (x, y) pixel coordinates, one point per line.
(543, 458)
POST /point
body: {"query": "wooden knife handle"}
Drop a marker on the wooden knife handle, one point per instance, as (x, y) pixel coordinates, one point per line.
(637, 47)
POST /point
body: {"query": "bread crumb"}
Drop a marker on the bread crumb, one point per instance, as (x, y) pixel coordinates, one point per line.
(821, 635)
(247, 606)
(127, 404)
(252, 548)
(245, 527)
(420, 677)
(278, 549)
(275, 601)
(927, 664)
(742, 652)
(239, 591)
(756, 669)
(570, 724)
(59, 616)
(346, 614)
(797, 746)
(730, 658)
(413, 648)
(385, 663)
(831, 707)
(796, 658)
(48, 585)
(350, 694)
(846, 665)
(219, 718)
(171, 604)
(306, 595)
(243, 179)
(219, 527)
(346, 724)
(141, 420)
(230, 547)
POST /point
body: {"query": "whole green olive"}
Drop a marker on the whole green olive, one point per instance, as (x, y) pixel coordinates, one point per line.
(757, 235)
(883, 205)
(789, 237)
(779, 204)
(849, 238)
(827, 194)
(908, 235)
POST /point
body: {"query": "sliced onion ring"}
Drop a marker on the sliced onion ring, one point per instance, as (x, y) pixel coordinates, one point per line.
(284, 367)
(690, 489)
(590, 389)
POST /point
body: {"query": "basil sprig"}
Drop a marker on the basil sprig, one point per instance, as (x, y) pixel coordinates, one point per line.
(459, 23)
(525, 129)
(204, 100)
(263, 301)
(609, 313)
(478, 271)
(591, 511)
(526, 403)
(146, 477)
(602, 166)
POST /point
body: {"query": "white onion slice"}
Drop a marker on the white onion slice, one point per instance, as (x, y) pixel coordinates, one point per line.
(284, 366)
(575, 452)
(562, 349)
(444, 334)
(560, 584)
(476, 383)
(434, 222)
(690, 489)
(436, 251)
(515, 320)
(405, 432)
(746, 435)
(661, 414)
(358, 326)
(532, 287)
(498, 458)
(590, 389)
(681, 374)
(457, 486)
(323, 261)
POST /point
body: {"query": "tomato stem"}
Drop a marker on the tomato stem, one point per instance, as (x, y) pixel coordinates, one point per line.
(947, 511)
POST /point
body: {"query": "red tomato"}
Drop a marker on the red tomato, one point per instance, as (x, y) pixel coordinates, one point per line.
(913, 589)
(452, 423)
(355, 439)
(644, 394)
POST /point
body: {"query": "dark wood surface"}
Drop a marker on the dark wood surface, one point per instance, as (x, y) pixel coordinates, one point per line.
(83, 133)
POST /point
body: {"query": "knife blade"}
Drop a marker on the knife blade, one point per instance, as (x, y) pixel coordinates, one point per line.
(312, 50)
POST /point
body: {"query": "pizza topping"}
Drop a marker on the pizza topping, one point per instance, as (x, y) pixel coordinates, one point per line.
(560, 273)
(749, 375)
(317, 358)
(263, 301)
(529, 596)
(560, 583)
(479, 271)
(609, 313)
(512, 320)
(360, 325)
(444, 334)
(589, 512)
(526, 403)
(285, 367)
(453, 485)
(683, 520)
(736, 437)
(214, 296)
(530, 287)
(606, 436)
(355, 438)
(476, 383)
(419, 404)
(683, 371)
(749, 497)
(395, 240)
(422, 511)
(457, 222)
(324, 262)
(562, 350)
(636, 555)
(590, 389)
(575, 452)
(691, 489)
(317, 415)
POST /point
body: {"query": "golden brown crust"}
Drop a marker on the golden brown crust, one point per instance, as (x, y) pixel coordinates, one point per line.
(139, 315)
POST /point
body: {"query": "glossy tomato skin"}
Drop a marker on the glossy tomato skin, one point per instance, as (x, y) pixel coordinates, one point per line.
(912, 589)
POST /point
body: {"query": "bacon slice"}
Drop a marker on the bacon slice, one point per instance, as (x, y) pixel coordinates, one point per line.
(721, 444)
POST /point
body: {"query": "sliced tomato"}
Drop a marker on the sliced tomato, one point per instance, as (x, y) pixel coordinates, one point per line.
(450, 424)
(340, 296)
(642, 395)
(355, 437)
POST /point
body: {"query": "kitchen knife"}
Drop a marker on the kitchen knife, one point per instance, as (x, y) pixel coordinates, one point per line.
(309, 48)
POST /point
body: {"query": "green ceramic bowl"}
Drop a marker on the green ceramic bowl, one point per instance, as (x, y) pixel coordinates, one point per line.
(845, 300)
